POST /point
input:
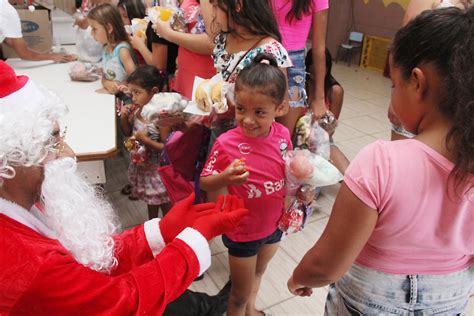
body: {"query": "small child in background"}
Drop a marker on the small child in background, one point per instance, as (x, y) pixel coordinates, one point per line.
(129, 10)
(145, 143)
(118, 60)
(334, 96)
(248, 162)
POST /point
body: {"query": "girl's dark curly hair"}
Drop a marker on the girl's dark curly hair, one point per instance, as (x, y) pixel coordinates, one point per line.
(256, 16)
(147, 77)
(445, 39)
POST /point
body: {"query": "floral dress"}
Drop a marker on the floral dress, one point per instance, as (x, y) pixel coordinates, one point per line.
(226, 64)
(143, 170)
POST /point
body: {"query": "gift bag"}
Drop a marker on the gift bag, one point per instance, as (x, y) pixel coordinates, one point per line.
(177, 187)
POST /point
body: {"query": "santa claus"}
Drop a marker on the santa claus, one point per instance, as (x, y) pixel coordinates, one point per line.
(59, 251)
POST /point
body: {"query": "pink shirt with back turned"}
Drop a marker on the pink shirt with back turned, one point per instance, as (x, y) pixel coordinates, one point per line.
(294, 34)
(263, 193)
(421, 229)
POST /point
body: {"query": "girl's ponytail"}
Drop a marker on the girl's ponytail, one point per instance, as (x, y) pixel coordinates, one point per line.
(460, 85)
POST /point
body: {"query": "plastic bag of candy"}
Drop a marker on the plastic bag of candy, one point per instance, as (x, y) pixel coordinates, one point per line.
(84, 72)
(328, 122)
(318, 141)
(305, 167)
(138, 152)
(165, 109)
(292, 218)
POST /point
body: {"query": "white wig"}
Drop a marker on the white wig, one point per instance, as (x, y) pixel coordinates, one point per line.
(27, 119)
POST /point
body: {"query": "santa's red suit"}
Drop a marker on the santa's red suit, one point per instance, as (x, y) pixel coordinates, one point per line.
(38, 276)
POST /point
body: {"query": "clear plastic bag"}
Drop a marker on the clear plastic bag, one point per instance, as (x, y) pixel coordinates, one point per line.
(88, 49)
(318, 141)
(84, 72)
(292, 218)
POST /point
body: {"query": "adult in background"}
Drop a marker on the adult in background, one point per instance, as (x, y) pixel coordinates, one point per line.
(59, 251)
(10, 34)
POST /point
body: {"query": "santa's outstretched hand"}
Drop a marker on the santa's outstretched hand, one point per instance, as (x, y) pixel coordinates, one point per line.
(182, 215)
(229, 213)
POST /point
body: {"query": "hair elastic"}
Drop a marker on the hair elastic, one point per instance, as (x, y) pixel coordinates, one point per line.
(265, 61)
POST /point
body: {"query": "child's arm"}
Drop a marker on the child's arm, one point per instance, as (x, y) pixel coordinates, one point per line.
(159, 56)
(126, 121)
(139, 44)
(142, 137)
(234, 174)
(127, 60)
(198, 43)
(349, 227)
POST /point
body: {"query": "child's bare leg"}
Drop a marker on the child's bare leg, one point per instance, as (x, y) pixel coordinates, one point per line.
(264, 256)
(338, 159)
(242, 273)
(290, 119)
(165, 208)
(153, 211)
(336, 96)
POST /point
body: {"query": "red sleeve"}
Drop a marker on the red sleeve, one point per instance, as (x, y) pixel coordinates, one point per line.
(132, 249)
(217, 161)
(64, 285)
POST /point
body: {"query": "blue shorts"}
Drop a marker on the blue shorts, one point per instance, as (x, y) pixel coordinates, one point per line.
(297, 78)
(250, 248)
(364, 291)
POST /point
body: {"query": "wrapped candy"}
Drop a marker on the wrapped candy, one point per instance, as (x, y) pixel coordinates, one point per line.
(304, 172)
(292, 219)
(211, 94)
(138, 152)
(315, 136)
(165, 109)
(84, 72)
(138, 27)
(304, 167)
(328, 122)
(161, 13)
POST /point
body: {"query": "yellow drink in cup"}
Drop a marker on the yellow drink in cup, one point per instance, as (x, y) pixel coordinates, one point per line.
(165, 14)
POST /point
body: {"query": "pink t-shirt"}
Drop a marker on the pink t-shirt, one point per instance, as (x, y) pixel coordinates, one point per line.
(294, 34)
(263, 193)
(420, 230)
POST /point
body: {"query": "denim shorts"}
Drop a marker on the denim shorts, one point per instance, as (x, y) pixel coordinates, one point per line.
(364, 291)
(297, 78)
(250, 248)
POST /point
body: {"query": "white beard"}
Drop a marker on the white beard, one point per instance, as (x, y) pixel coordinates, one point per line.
(83, 220)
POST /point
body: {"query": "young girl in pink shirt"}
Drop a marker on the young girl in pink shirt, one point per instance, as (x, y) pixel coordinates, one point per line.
(248, 162)
(295, 21)
(400, 239)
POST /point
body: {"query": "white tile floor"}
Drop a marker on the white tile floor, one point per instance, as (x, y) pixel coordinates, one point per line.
(363, 120)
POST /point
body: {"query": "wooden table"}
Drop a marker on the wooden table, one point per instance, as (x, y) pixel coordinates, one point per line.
(91, 124)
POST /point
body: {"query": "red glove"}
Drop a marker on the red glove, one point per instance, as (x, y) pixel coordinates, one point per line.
(217, 223)
(182, 215)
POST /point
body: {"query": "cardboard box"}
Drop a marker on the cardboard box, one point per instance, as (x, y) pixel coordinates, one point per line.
(36, 29)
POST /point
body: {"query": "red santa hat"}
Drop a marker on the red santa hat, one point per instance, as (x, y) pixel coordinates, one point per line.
(16, 90)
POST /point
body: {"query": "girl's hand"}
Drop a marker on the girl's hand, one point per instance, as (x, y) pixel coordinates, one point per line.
(111, 86)
(141, 136)
(124, 88)
(319, 109)
(297, 289)
(137, 42)
(236, 173)
(162, 29)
